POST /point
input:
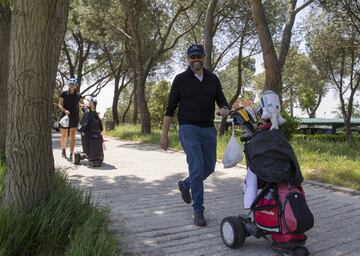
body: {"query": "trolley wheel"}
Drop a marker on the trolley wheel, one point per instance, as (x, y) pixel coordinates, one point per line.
(77, 158)
(232, 232)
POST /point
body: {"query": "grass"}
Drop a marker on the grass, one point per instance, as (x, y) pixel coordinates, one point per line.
(2, 172)
(324, 158)
(334, 162)
(68, 222)
(133, 133)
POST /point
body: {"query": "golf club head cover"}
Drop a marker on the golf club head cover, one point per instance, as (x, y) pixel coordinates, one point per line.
(271, 109)
(242, 118)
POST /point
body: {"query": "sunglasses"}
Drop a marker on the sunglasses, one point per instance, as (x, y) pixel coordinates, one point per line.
(196, 56)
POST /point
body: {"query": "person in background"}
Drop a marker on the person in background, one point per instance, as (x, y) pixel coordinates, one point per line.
(195, 91)
(69, 103)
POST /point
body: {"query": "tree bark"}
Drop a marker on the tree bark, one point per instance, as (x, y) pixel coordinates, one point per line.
(139, 70)
(271, 63)
(5, 22)
(118, 89)
(136, 108)
(287, 33)
(209, 34)
(128, 107)
(37, 31)
(115, 112)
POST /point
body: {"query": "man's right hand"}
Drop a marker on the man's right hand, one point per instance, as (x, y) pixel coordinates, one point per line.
(164, 142)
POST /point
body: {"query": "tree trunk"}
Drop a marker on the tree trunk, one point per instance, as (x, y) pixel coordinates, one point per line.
(240, 68)
(128, 107)
(312, 112)
(271, 63)
(37, 31)
(115, 112)
(136, 108)
(143, 107)
(5, 22)
(287, 33)
(292, 102)
(209, 34)
(348, 128)
(139, 71)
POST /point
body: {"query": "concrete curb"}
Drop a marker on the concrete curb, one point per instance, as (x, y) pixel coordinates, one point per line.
(333, 187)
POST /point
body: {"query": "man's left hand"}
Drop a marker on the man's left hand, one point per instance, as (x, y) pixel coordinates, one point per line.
(224, 112)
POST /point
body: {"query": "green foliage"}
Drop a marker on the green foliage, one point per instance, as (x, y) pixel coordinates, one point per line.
(303, 82)
(334, 162)
(229, 77)
(123, 104)
(290, 126)
(158, 98)
(133, 133)
(67, 221)
(325, 137)
(355, 110)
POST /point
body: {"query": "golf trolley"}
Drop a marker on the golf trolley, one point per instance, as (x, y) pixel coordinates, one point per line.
(235, 229)
(271, 207)
(92, 140)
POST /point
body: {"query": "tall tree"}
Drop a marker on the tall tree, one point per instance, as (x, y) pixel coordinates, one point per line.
(304, 83)
(37, 31)
(80, 52)
(159, 94)
(274, 64)
(209, 33)
(335, 46)
(5, 21)
(159, 37)
(238, 21)
(120, 74)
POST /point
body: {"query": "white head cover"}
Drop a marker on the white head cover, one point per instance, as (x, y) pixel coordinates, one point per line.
(89, 99)
(271, 109)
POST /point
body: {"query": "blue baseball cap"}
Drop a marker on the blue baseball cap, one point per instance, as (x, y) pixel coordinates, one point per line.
(72, 81)
(195, 49)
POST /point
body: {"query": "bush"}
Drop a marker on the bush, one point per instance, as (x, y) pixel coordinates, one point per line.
(290, 126)
(326, 137)
(67, 221)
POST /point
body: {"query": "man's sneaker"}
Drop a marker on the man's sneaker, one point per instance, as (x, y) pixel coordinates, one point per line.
(185, 193)
(199, 219)
(63, 153)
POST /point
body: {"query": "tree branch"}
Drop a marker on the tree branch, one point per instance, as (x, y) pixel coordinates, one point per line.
(181, 35)
(303, 6)
(121, 31)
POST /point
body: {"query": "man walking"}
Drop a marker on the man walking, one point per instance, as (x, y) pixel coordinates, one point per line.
(195, 91)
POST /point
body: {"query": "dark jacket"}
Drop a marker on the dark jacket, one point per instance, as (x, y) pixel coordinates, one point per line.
(91, 123)
(196, 99)
(270, 156)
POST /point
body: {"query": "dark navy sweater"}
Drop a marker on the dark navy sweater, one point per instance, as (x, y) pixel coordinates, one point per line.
(195, 99)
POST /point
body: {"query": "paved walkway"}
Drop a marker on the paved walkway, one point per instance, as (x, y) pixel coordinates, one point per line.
(138, 182)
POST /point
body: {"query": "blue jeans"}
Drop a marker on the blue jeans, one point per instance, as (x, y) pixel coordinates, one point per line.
(199, 145)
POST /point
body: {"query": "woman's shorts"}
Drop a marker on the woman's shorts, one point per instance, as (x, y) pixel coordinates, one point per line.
(73, 121)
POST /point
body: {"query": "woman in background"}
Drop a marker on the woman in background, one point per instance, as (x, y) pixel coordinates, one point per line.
(69, 103)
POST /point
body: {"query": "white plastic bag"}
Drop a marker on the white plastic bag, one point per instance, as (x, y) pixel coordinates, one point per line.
(64, 122)
(233, 153)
